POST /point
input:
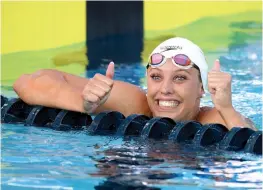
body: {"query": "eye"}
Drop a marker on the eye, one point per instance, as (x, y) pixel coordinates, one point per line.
(155, 77)
(180, 78)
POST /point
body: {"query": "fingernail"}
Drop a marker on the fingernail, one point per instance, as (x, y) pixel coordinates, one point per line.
(111, 62)
(217, 60)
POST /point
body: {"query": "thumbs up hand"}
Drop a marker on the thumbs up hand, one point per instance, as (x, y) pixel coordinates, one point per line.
(98, 89)
(219, 85)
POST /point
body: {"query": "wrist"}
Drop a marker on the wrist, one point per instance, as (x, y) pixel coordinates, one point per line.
(227, 113)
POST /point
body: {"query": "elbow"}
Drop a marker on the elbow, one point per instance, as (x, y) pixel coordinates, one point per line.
(20, 86)
(24, 85)
(40, 87)
(25, 79)
(21, 83)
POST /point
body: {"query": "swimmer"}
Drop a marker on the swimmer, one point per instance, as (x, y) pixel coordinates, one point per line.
(177, 78)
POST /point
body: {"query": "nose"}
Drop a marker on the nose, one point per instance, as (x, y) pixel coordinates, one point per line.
(167, 87)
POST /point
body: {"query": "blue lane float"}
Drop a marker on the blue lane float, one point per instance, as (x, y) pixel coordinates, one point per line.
(254, 143)
(115, 123)
(70, 120)
(41, 116)
(3, 100)
(209, 134)
(158, 128)
(236, 139)
(15, 111)
(132, 125)
(184, 132)
(106, 123)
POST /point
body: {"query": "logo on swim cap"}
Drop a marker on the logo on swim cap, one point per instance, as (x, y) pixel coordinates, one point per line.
(166, 48)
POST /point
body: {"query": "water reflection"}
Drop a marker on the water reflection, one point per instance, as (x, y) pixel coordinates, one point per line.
(152, 164)
(70, 159)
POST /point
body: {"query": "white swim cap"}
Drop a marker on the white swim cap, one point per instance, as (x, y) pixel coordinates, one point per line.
(180, 45)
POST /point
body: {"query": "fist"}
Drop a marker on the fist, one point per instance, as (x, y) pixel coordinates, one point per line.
(219, 85)
(98, 89)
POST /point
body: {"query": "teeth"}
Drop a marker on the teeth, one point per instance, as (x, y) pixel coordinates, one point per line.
(168, 103)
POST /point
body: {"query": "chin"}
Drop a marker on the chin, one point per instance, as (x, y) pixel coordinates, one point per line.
(173, 116)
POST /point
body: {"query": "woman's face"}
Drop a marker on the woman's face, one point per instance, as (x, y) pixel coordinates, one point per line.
(174, 92)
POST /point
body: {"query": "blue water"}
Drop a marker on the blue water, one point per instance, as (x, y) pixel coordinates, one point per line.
(40, 158)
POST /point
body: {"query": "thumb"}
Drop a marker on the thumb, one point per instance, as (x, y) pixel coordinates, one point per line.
(110, 70)
(216, 66)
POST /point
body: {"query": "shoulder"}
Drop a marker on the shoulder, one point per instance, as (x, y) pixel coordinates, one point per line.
(129, 89)
(209, 115)
(128, 99)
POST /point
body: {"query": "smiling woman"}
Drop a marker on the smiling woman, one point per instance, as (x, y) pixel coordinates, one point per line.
(174, 89)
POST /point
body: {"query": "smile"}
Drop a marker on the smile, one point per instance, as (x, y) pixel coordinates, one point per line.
(168, 104)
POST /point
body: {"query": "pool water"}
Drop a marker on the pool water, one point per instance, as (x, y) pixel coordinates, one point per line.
(41, 158)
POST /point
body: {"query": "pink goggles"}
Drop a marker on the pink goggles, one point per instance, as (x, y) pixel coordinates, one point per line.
(180, 60)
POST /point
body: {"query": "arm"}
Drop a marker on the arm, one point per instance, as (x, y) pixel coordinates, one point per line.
(219, 84)
(233, 118)
(229, 119)
(53, 88)
(127, 99)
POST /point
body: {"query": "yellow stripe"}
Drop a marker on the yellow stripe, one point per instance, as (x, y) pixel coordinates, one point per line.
(41, 25)
(171, 14)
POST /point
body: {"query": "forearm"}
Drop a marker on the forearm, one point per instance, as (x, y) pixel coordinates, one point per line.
(49, 89)
(61, 90)
(68, 98)
(232, 118)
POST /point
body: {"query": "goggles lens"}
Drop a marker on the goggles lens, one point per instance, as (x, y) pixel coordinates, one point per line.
(156, 59)
(180, 59)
